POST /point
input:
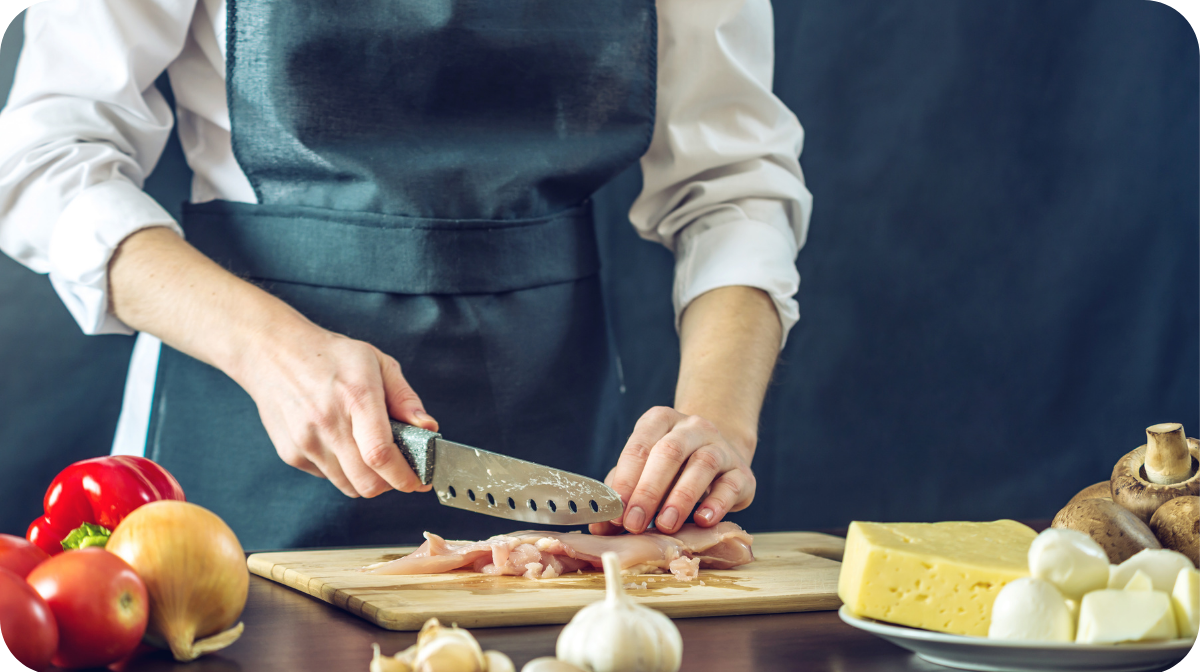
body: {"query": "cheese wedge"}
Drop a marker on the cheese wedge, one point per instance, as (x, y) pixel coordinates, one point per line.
(1133, 615)
(1185, 599)
(937, 576)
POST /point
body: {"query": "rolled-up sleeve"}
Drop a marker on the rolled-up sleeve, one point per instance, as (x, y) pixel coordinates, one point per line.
(722, 184)
(83, 126)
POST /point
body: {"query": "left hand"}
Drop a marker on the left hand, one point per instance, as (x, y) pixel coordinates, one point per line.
(673, 460)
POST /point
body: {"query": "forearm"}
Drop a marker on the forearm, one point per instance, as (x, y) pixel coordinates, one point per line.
(729, 341)
(162, 285)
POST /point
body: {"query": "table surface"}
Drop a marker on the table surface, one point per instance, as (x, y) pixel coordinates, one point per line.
(288, 630)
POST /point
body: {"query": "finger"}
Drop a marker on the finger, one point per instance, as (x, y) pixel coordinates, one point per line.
(666, 459)
(402, 401)
(652, 426)
(333, 471)
(728, 492)
(604, 529)
(376, 446)
(702, 468)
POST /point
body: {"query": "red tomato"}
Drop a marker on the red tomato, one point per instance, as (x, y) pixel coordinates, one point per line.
(27, 622)
(100, 604)
(19, 556)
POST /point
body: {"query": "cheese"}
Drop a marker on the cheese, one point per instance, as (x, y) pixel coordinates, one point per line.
(1032, 610)
(937, 576)
(1185, 598)
(1115, 616)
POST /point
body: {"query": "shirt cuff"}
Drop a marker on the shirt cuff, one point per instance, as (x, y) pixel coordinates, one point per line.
(85, 236)
(739, 253)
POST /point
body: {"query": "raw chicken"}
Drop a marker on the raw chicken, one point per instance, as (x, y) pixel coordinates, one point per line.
(545, 555)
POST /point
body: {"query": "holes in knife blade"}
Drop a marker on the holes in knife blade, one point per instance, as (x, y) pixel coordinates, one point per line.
(491, 500)
(471, 494)
(553, 507)
(595, 507)
(452, 492)
(533, 505)
(511, 503)
(571, 505)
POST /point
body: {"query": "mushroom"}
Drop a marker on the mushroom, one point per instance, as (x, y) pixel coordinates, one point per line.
(1101, 490)
(1177, 526)
(1161, 470)
(1120, 533)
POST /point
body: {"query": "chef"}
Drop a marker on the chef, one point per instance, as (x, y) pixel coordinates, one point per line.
(390, 216)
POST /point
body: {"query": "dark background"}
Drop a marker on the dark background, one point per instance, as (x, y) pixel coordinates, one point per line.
(1000, 287)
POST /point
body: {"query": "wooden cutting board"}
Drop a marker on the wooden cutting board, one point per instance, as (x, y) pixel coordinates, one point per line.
(792, 571)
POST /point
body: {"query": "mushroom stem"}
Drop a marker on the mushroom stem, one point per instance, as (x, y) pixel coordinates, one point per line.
(1167, 458)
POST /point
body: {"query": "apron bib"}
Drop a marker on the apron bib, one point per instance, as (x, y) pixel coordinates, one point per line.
(423, 170)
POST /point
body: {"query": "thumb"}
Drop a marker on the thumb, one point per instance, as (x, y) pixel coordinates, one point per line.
(403, 403)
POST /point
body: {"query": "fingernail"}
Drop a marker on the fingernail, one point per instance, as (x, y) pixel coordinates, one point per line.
(668, 518)
(421, 415)
(635, 519)
(706, 513)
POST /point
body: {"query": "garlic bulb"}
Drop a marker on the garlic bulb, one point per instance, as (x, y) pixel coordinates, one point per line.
(619, 635)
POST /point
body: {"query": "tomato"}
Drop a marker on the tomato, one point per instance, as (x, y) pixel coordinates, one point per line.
(100, 604)
(19, 556)
(27, 622)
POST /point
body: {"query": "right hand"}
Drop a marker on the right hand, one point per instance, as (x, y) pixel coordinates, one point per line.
(325, 400)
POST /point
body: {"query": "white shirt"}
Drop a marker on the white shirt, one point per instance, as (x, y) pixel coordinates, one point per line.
(84, 125)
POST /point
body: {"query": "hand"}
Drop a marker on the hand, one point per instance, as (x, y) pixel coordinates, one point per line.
(675, 460)
(325, 399)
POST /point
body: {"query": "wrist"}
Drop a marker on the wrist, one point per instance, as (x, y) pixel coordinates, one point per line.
(271, 331)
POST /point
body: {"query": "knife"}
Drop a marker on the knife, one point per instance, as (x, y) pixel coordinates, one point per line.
(498, 485)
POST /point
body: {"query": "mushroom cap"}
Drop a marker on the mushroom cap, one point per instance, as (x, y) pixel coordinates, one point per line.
(1101, 490)
(1132, 490)
(1120, 533)
(1177, 526)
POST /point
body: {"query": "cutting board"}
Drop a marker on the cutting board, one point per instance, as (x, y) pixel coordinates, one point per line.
(792, 571)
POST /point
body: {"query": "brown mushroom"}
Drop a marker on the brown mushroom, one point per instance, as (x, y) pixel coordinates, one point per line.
(1101, 490)
(1120, 533)
(1161, 470)
(1177, 526)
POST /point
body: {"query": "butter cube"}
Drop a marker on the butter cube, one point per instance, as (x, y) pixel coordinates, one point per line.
(1113, 616)
(937, 576)
(1185, 600)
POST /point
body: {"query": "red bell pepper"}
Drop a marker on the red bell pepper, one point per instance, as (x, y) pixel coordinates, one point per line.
(88, 499)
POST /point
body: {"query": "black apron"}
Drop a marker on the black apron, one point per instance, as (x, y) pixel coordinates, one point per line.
(423, 170)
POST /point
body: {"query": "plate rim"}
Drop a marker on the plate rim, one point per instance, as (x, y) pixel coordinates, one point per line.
(915, 634)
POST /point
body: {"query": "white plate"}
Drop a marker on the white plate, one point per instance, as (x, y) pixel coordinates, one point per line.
(996, 655)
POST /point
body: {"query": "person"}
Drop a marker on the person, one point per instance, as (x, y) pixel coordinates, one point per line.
(390, 216)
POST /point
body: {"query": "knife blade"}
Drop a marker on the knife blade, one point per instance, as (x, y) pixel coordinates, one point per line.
(478, 480)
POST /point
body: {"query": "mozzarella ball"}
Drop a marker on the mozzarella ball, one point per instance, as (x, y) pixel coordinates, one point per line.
(1031, 610)
(1069, 559)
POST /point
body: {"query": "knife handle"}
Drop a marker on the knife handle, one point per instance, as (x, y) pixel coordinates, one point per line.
(417, 446)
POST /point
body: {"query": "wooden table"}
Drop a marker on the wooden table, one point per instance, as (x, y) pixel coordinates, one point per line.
(286, 630)
(289, 631)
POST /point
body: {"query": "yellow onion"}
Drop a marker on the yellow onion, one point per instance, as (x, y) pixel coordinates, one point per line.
(195, 573)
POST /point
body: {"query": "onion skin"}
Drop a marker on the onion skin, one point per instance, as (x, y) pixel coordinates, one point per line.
(195, 572)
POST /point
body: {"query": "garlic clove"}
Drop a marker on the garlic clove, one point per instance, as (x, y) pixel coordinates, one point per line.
(452, 650)
(496, 661)
(549, 664)
(381, 663)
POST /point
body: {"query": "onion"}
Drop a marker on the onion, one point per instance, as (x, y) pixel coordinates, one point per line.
(195, 572)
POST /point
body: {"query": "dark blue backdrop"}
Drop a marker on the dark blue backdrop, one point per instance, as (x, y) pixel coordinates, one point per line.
(1000, 288)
